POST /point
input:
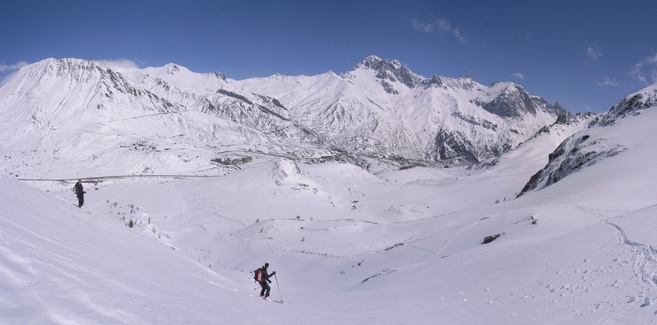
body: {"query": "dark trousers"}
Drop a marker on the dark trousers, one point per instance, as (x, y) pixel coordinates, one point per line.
(80, 200)
(265, 289)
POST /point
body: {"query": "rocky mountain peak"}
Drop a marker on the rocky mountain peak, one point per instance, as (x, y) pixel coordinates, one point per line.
(433, 81)
(390, 70)
(172, 68)
(631, 105)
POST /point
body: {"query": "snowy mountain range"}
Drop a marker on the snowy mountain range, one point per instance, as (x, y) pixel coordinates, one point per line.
(380, 115)
(339, 182)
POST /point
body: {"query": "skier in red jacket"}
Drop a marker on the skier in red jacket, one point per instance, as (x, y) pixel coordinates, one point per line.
(262, 277)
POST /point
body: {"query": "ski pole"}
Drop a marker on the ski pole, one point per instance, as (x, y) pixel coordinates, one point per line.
(277, 287)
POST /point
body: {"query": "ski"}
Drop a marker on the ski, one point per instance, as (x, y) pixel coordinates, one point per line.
(82, 209)
(267, 299)
(276, 301)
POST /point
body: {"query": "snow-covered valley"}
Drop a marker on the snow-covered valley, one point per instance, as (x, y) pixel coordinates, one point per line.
(349, 245)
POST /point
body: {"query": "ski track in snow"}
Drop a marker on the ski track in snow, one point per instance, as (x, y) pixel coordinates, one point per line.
(597, 213)
(456, 235)
(645, 263)
(616, 283)
(644, 256)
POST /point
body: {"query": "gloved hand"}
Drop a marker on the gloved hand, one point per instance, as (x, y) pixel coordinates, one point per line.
(268, 280)
(273, 273)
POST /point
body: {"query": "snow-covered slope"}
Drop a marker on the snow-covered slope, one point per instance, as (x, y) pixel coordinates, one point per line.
(60, 265)
(381, 108)
(379, 115)
(593, 145)
(194, 180)
(59, 112)
(349, 247)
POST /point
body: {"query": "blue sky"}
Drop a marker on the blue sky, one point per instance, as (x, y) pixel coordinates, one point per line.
(584, 54)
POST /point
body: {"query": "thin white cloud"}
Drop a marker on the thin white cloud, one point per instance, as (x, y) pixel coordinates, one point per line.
(458, 35)
(645, 71)
(652, 60)
(608, 82)
(446, 26)
(637, 72)
(520, 76)
(593, 53)
(421, 26)
(12, 67)
(442, 25)
(120, 64)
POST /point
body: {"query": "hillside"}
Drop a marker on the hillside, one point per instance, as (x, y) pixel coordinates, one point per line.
(380, 116)
(350, 245)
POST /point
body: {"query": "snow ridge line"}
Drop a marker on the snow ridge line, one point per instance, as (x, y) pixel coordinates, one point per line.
(645, 264)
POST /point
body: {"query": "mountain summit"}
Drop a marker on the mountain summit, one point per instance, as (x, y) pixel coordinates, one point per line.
(391, 71)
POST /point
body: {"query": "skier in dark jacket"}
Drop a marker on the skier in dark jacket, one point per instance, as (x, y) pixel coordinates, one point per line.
(79, 191)
(263, 281)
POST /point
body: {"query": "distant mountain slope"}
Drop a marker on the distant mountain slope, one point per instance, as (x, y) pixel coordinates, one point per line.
(378, 114)
(381, 108)
(593, 145)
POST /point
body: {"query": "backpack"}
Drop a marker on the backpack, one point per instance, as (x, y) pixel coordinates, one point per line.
(77, 189)
(258, 277)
